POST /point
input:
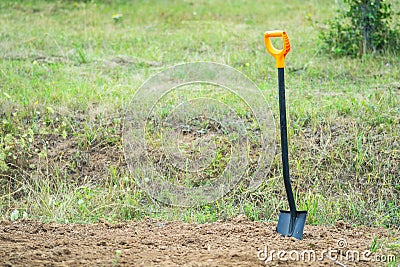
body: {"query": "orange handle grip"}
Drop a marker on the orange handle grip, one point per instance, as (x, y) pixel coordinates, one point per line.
(279, 55)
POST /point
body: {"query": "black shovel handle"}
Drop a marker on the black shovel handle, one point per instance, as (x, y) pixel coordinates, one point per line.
(284, 142)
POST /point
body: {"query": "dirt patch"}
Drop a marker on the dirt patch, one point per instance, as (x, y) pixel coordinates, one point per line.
(155, 243)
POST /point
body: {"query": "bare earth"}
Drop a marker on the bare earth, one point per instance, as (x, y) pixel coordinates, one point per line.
(237, 242)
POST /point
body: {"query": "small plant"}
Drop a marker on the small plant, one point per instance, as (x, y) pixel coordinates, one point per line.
(16, 215)
(362, 29)
(118, 253)
(117, 17)
(3, 164)
(374, 245)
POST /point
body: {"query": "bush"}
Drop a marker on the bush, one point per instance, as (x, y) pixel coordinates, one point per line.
(364, 28)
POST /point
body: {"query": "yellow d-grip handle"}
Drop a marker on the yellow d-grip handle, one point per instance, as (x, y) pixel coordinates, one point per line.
(279, 55)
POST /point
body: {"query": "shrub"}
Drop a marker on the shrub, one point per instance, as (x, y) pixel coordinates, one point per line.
(364, 28)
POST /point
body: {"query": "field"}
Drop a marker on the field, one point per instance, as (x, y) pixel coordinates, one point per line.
(68, 73)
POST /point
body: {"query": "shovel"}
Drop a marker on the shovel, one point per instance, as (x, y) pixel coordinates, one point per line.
(290, 223)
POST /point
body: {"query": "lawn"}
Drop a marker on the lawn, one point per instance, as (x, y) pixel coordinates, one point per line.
(69, 70)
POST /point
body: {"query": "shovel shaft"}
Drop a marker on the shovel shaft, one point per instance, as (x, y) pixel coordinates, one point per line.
(284, 141)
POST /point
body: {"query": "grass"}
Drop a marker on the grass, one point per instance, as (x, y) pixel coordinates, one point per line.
(69, 69)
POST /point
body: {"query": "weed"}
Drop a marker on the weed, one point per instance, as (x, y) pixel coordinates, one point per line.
(116, 258)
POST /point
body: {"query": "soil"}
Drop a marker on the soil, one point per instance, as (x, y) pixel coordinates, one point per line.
(237, 242)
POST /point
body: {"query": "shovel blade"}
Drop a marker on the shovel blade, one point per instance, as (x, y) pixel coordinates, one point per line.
(284, 226)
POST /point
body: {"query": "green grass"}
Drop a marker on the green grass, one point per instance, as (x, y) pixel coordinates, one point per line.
(68, 70)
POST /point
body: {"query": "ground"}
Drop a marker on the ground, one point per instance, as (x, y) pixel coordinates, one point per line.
(237, 242)
(68, 73)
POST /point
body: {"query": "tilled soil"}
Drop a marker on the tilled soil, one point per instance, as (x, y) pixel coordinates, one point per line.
(237, 242)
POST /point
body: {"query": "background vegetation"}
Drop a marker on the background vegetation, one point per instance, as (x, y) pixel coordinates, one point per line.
(362, 27)
(68, 69)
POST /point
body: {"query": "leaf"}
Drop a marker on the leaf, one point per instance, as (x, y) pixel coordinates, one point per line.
(14, 215)
(7, 95)
(50, 110)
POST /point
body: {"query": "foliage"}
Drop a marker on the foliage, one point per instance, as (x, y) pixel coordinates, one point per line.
(362, 29)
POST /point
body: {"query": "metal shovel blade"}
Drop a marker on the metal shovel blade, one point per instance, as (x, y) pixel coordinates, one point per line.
(288, 226)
